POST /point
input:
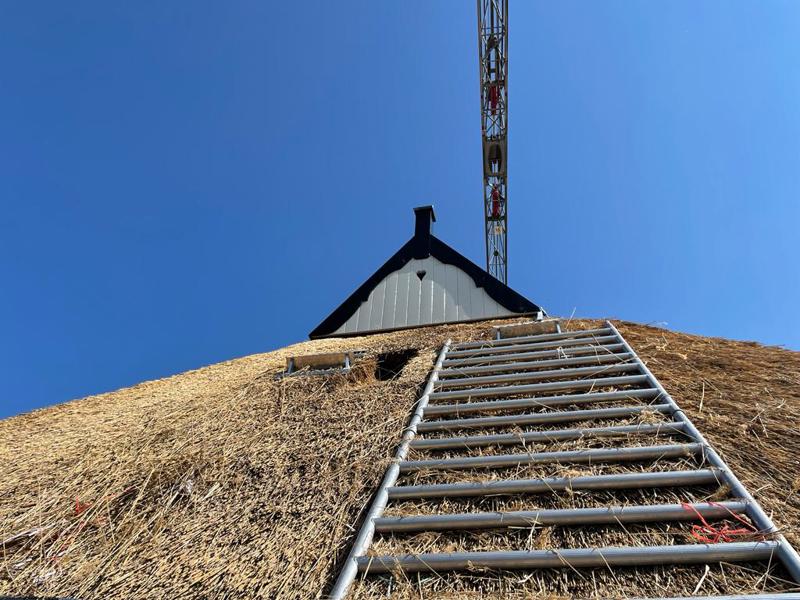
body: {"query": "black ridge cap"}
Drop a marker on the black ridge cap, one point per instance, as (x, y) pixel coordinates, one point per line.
(421, 246)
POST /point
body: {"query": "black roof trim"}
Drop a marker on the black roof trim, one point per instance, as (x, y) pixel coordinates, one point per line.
(421, 246)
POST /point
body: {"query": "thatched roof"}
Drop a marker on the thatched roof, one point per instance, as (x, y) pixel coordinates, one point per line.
(225, 482)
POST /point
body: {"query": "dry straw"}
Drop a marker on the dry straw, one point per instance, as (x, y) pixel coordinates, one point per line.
(224, 482)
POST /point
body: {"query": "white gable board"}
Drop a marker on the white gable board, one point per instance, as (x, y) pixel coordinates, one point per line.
(426, 282)
(445, 294)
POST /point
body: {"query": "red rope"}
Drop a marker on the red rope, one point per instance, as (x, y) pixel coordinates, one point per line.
(708, 534)
(83, 506)
(80, 506)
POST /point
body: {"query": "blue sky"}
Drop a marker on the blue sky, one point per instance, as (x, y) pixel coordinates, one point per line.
(186, 182)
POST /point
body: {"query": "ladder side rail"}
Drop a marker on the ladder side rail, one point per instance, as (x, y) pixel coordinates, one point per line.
(787, 554)
(367, 531)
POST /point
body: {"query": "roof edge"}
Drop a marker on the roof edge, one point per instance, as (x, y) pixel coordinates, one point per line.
(350, 334)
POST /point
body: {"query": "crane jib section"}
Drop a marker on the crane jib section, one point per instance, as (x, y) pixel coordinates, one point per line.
(493, 65)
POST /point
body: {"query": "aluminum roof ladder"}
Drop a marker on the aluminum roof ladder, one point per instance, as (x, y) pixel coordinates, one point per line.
(556, 379)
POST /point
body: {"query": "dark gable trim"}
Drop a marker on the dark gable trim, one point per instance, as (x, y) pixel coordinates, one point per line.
(496, 289)
(339, 316)
(422, 246)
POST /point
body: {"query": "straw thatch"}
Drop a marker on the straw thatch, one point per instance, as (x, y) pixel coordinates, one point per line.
(226, 482)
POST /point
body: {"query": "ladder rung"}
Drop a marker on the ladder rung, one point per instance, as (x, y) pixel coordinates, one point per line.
(591, 456)
(594, 359)
(513, 439)
(594, 349)
(572, 557)
(540, 401)
(566, 516)
(533, 346)
(775, 596)
(562, 416)
(541, 337)
(620, 481)
(539, 375)
(532, 388)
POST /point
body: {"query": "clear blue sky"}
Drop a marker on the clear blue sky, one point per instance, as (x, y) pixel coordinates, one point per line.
(186, 182)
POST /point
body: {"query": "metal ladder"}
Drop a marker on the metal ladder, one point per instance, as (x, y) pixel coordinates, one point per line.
(560, 373)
